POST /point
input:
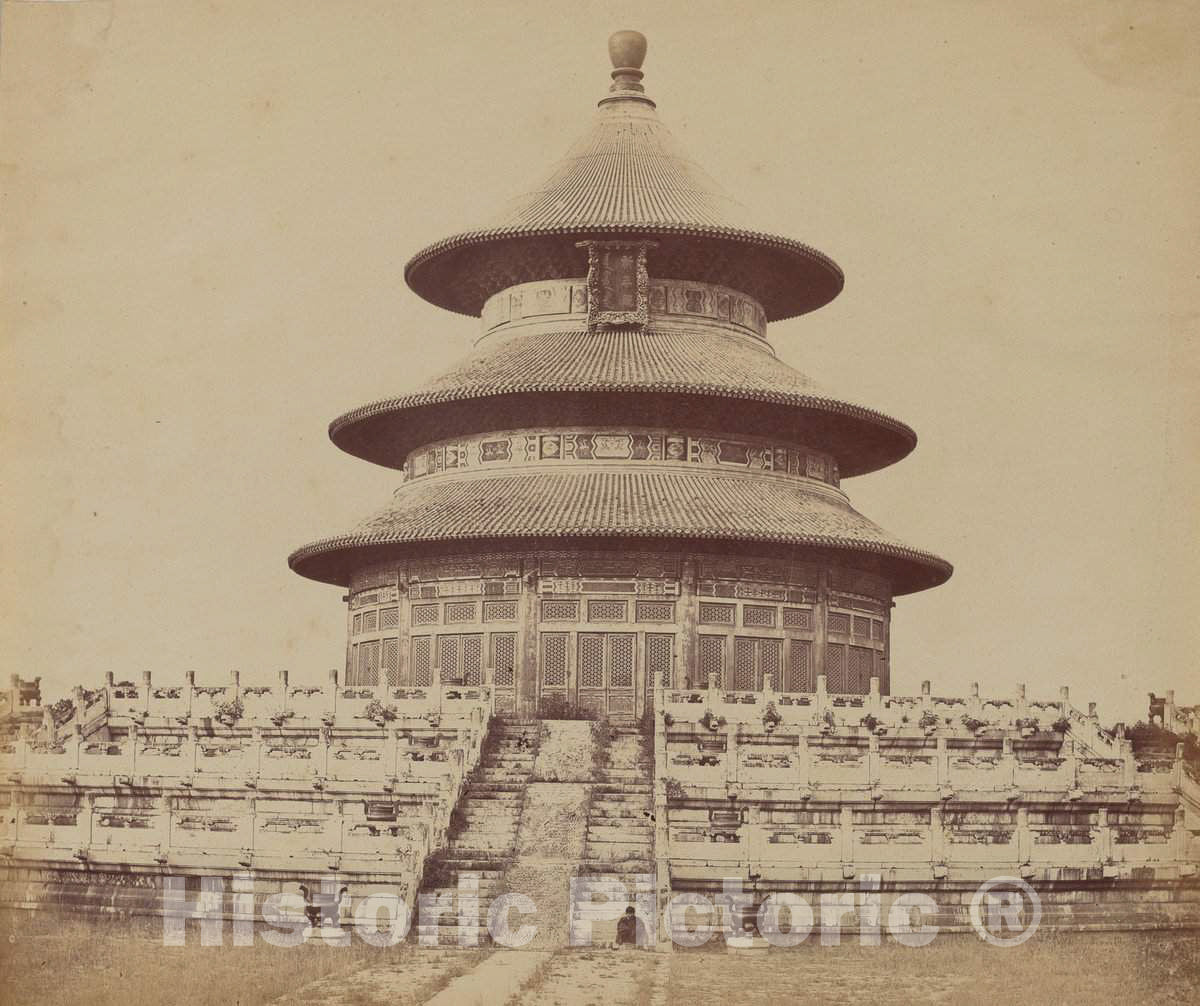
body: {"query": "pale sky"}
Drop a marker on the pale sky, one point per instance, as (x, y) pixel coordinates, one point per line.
(207, 207)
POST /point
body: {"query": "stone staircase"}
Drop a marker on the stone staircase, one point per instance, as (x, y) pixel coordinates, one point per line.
(620, 834)
(483, 834)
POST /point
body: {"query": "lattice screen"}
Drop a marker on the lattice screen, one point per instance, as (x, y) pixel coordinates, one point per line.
(758, 616)
(800, 676)
(460, 612)
(357, 625)
(862, 627)
(838, 622)
(606, 611)
(770, 658)
(422, 661)
(504, 649)
(499, 611)
(797, 618)
(368, 663)
(389, 618)
(621, 657)
(472, 660)
(655, 611)
(862, 668)
(391, 660)
(448, 656)
(554, 658)
(716, 614)
(424, 614)
(743, 665)
(877, 630)
(560, 611)
(712, 660)
(835, 667)
(370, 621)
(660, 658)
(591, 660)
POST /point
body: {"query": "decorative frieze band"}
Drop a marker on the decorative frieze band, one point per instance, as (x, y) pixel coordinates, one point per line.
(527, 448)
(565, 302)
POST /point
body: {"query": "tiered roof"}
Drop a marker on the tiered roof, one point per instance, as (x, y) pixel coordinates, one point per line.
(627, 178)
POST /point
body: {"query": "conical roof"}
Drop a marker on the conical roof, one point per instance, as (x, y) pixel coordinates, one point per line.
(626, 175)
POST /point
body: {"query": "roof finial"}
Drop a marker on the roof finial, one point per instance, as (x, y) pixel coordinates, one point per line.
(627, 50)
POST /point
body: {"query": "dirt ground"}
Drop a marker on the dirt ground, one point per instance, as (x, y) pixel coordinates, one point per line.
(47, 960)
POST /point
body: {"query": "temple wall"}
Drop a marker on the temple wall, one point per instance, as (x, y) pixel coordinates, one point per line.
(599, 630)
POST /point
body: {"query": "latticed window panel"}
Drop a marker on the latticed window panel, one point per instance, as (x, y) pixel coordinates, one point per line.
(560, 611)
(460, 612)
(424, 614)
(389, 618)
(655, 611)
(356, 625)
(499, 611)
(877, 630)
(352, 666)
(716, 614)
(368, 663)
(835, 667)
(660, 659)
(621, 658)
(712, 660)
(759, 616)
(862, 627)
(743, 665)
(800, 670)
(554, 659)
(504, 651)
(591, 660)
(391, 661)
(370, 621)
(606, 611)
(836, 621)
(797, 618)
(472, 660)
(770, 659)
(448, 656)
(862, 668)
(366, 598)
(422, 661)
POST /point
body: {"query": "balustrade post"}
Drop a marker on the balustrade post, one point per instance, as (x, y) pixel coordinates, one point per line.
(1130, 773)
(937, 835)
(236, 679)
(731, 752)
(331, 694)
(189, 691)
(193, 759)
(710, 698)
(110, 683)
(147, 679)
(874, 700)
(1103, 835)
(1021, 705)
(803, 760)
(1064, 701)
(132, 740)
(846, 829)
(1008, 762)
(77, 744)
(974, 704)
(822, 695)
(873, 766)
(1024, 838)
(284, 701)
(943, 762)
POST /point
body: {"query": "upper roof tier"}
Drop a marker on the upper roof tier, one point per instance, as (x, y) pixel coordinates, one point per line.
(626, 176)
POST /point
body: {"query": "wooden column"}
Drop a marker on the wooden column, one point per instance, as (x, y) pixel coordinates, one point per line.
(526, 681)
(685, 644)
(820, 610)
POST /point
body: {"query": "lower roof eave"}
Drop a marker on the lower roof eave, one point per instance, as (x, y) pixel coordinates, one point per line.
(333, 560)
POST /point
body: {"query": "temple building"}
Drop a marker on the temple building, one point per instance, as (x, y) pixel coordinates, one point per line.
(622, 485)
(621, 566)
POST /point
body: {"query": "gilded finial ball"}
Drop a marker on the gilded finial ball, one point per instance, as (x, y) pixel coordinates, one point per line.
(627, 49)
